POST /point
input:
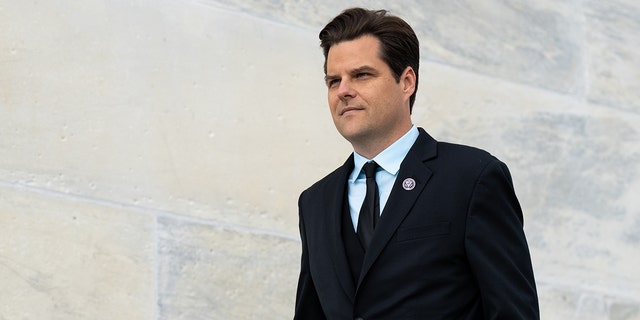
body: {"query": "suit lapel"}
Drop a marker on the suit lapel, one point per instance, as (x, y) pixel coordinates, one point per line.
(400, 200)
(335, 204)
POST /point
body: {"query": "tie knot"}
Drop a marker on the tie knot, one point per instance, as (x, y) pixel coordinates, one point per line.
(370, 169)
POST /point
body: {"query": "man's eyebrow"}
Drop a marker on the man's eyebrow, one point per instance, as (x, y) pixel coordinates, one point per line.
(364, 68)
(357, 70)
(330, 77)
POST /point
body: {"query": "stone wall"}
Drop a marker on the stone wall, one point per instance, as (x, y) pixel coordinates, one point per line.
(152, 152)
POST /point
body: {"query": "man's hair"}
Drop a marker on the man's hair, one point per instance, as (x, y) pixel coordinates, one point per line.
(399, 47)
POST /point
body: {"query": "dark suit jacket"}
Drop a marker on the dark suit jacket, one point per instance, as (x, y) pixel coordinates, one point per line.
(451, 248)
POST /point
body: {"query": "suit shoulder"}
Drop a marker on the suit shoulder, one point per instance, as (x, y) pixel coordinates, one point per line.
(328, 179)
(447, 148)
(327, 182)
(463, 156)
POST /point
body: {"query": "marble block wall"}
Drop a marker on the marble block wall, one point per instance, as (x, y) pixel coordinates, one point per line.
(152, 152)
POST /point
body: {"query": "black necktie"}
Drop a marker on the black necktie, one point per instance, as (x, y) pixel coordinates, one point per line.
(370, 211)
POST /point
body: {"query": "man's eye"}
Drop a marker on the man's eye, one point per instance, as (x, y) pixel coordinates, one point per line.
(332, 82)
(361, 75)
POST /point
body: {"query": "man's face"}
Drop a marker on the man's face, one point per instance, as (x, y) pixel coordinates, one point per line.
(367, 104)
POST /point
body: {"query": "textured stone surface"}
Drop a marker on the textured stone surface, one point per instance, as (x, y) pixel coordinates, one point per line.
(625, 311)
(211, 273)
(571, 46)
(561, 303)
(556, 303)
(530, 42)
(591, 307)
(61, 258)
(161, 108)
(612, 40)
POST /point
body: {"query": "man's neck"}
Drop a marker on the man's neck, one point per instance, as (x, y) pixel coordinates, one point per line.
(372, 147)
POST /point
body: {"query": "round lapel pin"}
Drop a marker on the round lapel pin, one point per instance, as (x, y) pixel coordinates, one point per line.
(408, 184)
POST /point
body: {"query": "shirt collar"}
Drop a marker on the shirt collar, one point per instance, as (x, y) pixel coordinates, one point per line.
(390, 158)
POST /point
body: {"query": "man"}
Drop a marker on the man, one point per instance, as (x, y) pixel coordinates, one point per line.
(432, 230)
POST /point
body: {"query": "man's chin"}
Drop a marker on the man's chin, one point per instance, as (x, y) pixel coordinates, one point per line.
(354, 136)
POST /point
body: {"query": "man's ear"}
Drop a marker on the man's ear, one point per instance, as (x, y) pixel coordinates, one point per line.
(408, 81)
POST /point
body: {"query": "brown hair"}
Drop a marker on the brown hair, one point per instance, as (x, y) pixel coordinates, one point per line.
(399, 47)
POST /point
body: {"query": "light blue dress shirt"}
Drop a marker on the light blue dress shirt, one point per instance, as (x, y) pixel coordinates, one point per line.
(389, 161)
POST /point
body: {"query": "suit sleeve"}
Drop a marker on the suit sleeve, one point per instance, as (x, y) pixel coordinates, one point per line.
(497, 248)
(307, 305)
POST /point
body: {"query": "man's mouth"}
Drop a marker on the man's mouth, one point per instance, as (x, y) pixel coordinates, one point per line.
(349, 109)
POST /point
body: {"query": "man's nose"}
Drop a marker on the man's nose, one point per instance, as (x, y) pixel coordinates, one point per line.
(345, 90)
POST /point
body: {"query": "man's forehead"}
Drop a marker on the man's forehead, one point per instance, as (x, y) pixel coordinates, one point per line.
(354, 54)
(366, 41)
